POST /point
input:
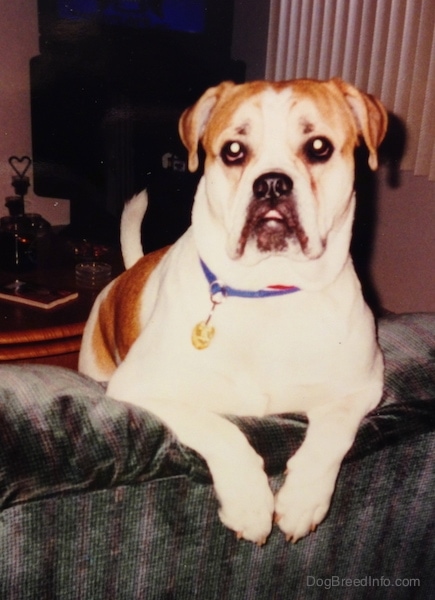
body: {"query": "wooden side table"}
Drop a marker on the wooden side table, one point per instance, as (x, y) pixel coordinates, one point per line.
(36, 335)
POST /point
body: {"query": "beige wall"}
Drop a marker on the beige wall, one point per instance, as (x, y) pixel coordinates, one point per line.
(403, 265)
(404, 256)
(18, 43)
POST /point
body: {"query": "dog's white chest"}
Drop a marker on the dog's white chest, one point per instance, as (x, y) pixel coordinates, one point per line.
(267, 355)
(273, 359)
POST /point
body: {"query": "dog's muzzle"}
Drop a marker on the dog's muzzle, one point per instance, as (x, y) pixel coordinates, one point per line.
(272, 218)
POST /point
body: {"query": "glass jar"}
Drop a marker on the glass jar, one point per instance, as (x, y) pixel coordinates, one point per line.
(24, 242)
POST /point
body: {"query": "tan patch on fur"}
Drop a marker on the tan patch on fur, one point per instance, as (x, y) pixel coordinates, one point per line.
(363, 115)
(327, 97)
(118, 324)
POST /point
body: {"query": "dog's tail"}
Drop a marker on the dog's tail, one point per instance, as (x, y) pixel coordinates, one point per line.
(131, 219)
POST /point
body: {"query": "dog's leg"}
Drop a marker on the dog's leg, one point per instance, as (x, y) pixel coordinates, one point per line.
(241, 485)
(304, 499)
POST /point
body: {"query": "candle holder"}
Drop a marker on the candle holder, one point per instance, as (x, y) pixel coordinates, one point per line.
(24, 238)
(20, 183)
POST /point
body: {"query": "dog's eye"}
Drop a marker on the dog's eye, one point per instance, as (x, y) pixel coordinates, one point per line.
(318, 149)
(233, 153)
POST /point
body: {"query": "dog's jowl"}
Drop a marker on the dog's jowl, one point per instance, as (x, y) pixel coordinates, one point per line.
(256, 309)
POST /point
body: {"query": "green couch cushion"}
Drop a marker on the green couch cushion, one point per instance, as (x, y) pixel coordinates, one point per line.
(60, 434)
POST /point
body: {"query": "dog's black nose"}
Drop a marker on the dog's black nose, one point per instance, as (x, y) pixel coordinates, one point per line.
(272, 186)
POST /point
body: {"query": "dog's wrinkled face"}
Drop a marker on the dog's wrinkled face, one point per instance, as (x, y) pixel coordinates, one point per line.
(285, 173)
(279, 165)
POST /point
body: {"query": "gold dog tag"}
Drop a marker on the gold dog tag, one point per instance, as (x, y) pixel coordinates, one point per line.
(202, 335)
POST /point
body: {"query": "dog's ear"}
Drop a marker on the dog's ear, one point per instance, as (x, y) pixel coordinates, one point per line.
(194, 120)
(370, 116)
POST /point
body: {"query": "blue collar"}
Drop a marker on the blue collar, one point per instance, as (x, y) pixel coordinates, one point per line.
(217, 287)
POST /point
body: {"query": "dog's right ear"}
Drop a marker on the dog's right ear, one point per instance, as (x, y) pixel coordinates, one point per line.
(194, 119)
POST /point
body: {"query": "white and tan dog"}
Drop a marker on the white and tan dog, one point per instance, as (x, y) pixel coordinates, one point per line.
(256, 309)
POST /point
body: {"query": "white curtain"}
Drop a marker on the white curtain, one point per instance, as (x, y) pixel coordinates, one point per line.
(385, 47)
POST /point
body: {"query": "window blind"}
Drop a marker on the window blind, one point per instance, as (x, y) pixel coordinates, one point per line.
(384, 47)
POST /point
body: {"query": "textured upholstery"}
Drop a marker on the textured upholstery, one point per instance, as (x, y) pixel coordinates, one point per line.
(98, 499)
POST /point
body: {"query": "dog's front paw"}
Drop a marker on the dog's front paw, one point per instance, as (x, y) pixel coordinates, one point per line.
(249, 511)
(302, 503)
(246, 503)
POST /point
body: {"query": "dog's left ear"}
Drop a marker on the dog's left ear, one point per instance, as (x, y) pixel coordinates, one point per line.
(370, 116)
(194, 120)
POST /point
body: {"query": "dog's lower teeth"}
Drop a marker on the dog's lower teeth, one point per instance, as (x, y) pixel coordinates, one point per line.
(273, 222)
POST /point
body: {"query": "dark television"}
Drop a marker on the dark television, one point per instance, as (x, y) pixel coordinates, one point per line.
(174, 15)
(188, 25)
(107, 90)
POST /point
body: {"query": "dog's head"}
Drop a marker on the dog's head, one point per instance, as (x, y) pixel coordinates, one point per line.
(279, 162)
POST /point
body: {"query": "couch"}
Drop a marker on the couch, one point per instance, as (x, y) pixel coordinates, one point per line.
(100, 501)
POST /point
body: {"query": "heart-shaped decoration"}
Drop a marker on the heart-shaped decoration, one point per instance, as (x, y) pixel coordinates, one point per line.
(20, 165)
